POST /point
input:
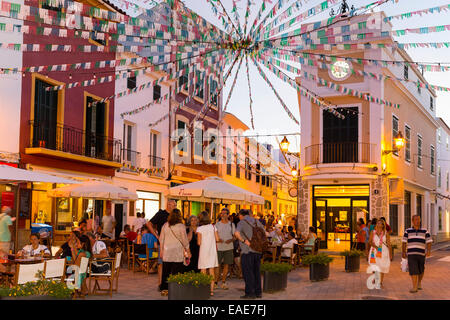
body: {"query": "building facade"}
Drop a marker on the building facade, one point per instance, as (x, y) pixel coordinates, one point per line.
(441, 227)
(349, 166)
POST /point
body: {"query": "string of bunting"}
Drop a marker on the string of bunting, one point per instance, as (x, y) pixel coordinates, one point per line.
(233, 85)
(420, 13)
(148, 171)
(249, 92)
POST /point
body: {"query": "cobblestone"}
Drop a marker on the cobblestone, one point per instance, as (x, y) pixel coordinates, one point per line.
(341, 285)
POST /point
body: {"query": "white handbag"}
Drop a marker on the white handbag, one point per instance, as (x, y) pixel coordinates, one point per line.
(404, 265)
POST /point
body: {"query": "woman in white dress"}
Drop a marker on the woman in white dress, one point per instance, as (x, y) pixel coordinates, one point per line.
(207, 238)
(380, 249)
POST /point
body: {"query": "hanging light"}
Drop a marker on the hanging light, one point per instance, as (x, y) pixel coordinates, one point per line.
(284, 144)
(399, 140)
(294, 172)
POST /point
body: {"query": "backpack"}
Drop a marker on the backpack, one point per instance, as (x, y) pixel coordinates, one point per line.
(258, 242)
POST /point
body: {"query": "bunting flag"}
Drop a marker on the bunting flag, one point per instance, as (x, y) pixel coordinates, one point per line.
(249, 92)
(232, 85)
(149, 171)
(419, 13)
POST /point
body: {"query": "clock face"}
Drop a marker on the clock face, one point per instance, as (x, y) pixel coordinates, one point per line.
(340, 70)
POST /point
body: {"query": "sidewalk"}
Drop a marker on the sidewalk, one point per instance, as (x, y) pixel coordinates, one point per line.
(340, 286)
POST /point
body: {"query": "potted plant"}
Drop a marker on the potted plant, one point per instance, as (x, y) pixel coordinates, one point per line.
(275, 276)
(189, 286)
(319, 266)
(352, 260)
(43, 289)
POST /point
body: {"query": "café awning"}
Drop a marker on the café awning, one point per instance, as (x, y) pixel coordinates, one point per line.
(10, 174)
(93, 190)
(214, 189)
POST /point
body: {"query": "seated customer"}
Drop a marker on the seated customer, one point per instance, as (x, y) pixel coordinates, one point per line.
(82, 226)
(289, 244)
(150, 240)
(64, 251)
(127, 233)
(310, 239)
(99, 249)
(80, 248)
(35, 248)
(100, 233)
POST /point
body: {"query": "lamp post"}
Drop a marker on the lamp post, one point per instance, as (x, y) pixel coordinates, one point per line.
(399, 142)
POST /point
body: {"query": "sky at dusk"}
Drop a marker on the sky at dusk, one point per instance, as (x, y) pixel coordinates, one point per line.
(269, 116)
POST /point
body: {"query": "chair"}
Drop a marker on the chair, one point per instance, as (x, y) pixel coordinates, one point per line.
(55, 269)
(78, 271)
(288, 259)
(129, 254)
(136, 250)
(28, 272)
(147, 262)
(54, 250)
(110, 276)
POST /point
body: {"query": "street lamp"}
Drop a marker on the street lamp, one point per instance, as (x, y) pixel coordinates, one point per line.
(294, 173)
(399, 142)
(284, 144)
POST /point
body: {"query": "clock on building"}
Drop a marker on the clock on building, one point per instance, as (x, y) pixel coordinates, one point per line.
(340, 70)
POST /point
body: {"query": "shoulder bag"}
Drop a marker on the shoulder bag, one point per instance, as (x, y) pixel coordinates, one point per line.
(186, 260)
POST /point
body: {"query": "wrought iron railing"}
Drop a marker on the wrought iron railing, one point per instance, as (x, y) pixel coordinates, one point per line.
(131, 160)
(156, 166)
(68, 139)
(339, 152)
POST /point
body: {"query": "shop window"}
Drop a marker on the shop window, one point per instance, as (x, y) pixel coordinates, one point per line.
(148, 203)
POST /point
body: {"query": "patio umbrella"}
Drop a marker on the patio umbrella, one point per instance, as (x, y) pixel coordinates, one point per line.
(214, 189)
(94, 190)
(10, 174)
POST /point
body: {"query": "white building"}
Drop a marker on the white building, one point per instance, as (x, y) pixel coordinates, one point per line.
(441, 227)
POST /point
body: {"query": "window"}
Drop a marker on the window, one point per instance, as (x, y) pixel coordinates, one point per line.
(432, 156)
(238, 168)
(268, 181)
(263, 180)
(212, 142)
(394, 132)
(407, 209)
(393, 218)
(199, 85)
(419, 90)
(131, 82)
(156, 92)
(258, 169)
(248, 173)
(431, 103)
(419, 205)
(181, 146)
(213, 95)
(439, 135)
(148, 203)
(408, 143)
(183, 83)
(128, 154)
(198, 142)
(98, 38)
(155, 160)
(446, 142)
(439, 177)
(447, 182)
(419, 151)
(440, 218)
(229, 159)
(405, 72)
(45, 116)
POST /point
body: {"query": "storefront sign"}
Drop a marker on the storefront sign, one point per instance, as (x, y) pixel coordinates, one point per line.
(8, 199)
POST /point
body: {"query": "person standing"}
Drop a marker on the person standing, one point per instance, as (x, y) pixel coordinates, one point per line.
(138, 223)
(250, 259)
(360, 237)
(155, 225)
(174, 247)
(414, 244)
(192, 225)
(225, 230)
(207, 238)
(380, 249)
(5, 229)
(109, 224)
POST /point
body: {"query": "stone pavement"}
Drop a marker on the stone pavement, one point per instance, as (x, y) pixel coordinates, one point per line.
(340, 285)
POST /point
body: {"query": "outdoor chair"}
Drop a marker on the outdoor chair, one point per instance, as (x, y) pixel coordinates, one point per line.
(129, 254)
(110, 276)
(28, 272)
(74, 282)
(55, 269)
(144, 262)
(288, 259)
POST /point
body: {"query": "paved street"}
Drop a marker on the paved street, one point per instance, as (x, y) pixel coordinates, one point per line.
(340, 285)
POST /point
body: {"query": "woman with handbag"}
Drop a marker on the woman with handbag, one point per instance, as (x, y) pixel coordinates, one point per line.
(175, 252)
(380, 249)
(207, 238)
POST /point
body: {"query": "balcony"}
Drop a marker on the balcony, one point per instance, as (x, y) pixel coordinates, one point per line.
(131, 160)
(339, 152)
(72, 143)
(156, 166)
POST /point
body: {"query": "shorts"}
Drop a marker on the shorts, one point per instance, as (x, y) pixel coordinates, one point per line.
(416, 264)
(225, 257)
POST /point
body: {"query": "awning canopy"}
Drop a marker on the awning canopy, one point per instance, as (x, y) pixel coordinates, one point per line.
(93, 190)
(10, 174)
(214, 189)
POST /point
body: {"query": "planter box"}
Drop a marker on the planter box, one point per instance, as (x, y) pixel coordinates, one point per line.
(318, 272)
(274, 281)
(352, 264)
(188, 292)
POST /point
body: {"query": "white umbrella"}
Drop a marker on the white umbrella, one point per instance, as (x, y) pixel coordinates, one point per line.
(10, 174)
(94, 190)
(215, 188)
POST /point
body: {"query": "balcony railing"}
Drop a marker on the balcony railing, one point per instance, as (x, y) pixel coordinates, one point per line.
(339, 152)
(156, 166)
(131, 159)
(76, 141)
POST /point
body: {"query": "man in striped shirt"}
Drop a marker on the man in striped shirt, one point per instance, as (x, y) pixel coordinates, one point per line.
(415, 242)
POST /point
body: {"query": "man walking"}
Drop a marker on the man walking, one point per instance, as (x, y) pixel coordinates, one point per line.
(250, 259)
(415, 241)
(155, 225)
(226, 230)
(5, 230)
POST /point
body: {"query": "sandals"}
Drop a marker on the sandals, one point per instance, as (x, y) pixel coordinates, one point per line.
(413, 291)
